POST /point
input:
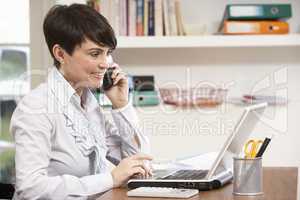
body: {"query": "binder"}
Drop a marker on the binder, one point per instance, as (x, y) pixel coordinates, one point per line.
(255, 27)
(257, 11)
(145, 98)
(143, 83)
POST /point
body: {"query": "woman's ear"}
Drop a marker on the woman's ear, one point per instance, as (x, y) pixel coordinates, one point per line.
(59, 53)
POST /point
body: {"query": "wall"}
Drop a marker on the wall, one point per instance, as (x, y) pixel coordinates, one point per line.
(241, 76)
(39, 55)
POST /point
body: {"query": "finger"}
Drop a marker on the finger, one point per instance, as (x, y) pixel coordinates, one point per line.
(150, 172)
(141, 156)
(117, 69)
(116, 66)
(150, 169)
(147, 170)
(115, 73)
(136, 163)
(139, 163)
(118, 78)
(138, 170)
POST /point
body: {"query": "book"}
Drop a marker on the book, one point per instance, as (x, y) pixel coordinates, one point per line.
(255, 27)
(180, 26)
(127, 16)
(122, 18)
(166, 20)
(158, 18)
(257, 11)
(151, 19)
(115, 20)
(172, 17)
(132, 18)
(106, 10)
(95, 4)
(139, 17)
(146, 18)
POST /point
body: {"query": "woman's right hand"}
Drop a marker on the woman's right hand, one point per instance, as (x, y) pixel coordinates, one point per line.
(130, 166)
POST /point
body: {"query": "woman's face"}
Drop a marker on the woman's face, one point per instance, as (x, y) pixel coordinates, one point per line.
(86, 66)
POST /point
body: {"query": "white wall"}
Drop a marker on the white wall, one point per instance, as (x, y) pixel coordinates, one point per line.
(242, 78)
(40, 58)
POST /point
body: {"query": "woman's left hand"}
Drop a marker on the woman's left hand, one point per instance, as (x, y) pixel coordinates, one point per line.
(118, 93)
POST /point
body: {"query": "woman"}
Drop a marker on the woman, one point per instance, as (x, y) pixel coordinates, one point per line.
(63, 141)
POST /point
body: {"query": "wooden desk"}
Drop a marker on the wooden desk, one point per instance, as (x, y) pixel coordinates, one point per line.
(280, 183)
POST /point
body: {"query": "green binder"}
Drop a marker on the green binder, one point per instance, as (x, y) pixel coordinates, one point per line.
(145, 98)
(257, 11)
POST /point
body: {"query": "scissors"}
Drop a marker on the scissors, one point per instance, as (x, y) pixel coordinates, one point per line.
(251, 148)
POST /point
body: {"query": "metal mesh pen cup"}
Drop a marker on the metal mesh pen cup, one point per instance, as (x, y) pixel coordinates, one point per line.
(247, 176)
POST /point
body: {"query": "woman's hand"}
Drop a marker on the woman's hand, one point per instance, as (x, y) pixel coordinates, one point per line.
(133, 165)
(118, 93)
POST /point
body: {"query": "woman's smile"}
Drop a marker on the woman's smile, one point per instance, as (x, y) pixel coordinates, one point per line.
(97, 75)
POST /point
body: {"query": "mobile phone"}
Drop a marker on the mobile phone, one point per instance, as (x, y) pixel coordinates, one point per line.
(107, 80)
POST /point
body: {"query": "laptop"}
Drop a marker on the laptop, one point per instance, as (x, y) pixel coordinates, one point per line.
(220, 172)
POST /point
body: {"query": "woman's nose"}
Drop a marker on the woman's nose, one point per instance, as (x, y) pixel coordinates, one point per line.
(103, 63)
(103, 67)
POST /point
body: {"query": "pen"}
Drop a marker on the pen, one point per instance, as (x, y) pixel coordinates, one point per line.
(263, 147)
(260, 152)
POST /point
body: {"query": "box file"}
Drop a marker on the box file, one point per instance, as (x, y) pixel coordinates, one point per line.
(255, 27)
(257, 11)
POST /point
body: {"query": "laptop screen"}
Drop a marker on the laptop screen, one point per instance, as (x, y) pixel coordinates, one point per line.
(235, 141)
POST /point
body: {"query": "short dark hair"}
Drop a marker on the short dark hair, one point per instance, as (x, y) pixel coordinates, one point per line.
(70, 26)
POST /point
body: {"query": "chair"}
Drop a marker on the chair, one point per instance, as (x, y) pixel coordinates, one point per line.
(6, 191)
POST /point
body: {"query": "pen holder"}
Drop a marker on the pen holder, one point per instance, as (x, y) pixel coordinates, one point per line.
(247, 176)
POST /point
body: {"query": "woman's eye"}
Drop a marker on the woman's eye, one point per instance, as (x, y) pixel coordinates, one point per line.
(94, 55)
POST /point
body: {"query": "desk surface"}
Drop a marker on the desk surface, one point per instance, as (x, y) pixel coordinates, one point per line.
(279, 183)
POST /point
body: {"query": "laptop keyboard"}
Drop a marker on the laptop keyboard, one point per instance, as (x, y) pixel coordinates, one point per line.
(188, 175)
(161, 173)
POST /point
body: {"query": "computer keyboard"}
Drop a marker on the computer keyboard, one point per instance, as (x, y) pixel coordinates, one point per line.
(188, 175)
(162, 192)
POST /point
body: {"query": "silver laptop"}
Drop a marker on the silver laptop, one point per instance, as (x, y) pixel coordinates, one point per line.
(220, 171)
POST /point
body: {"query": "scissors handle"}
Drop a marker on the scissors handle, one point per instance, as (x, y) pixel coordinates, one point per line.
(252, 151)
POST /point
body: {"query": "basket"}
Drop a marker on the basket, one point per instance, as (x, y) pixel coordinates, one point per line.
(193, 97)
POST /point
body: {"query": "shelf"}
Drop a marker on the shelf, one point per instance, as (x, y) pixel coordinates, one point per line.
(209, 41)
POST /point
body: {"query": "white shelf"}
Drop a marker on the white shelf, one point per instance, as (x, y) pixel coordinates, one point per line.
(209, 41)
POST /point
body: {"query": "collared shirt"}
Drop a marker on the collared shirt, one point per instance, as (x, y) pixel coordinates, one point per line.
(63, 150)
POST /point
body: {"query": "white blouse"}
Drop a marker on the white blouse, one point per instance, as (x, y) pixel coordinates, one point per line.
(63, 150)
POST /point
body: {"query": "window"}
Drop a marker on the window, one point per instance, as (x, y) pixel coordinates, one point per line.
(14, 70)
(13, 62)
(14, 67)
